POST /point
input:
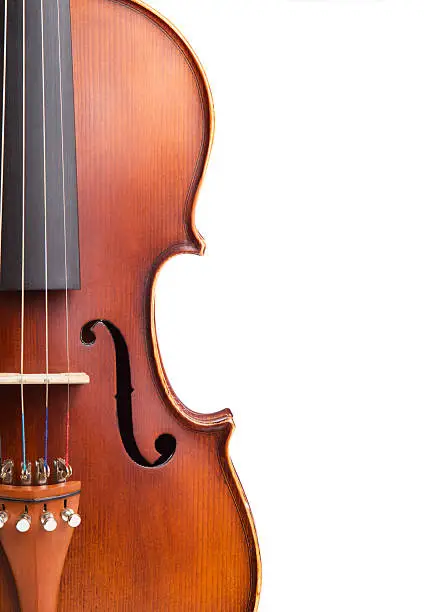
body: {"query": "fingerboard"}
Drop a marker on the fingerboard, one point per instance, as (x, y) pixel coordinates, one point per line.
(39, 158)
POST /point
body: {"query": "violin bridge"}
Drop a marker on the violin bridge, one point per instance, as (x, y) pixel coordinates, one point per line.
(42, 472)
(6, 471)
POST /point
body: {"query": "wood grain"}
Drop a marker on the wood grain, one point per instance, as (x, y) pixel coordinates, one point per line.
(37, 557)
(180, 537)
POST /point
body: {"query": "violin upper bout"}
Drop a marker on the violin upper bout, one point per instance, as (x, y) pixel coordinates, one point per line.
(145, 124)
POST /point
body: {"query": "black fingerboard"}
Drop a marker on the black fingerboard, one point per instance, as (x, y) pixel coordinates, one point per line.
(51, 185)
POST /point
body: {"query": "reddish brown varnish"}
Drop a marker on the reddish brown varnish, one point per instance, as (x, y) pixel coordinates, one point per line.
(36, 558)
(180, 537)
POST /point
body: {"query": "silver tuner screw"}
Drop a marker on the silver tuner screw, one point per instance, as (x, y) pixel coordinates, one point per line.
(23, 523)
(48, 521)
(4, 517)
(26, 475)
(71, 517)
(42, 472)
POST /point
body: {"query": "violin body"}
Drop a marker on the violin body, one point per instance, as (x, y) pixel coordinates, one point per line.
(165, 523)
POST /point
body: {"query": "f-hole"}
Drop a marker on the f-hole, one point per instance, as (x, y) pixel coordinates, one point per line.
(165, 444)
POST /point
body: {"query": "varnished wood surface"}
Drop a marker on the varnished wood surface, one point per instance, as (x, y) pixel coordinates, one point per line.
(37, 557)
(180, 537)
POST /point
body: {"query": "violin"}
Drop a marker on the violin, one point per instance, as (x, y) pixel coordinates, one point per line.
(113, 494)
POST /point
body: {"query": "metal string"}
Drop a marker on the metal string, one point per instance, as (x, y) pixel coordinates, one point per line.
(24, 462)
(68, 405)
(46, 423)
(3, 122)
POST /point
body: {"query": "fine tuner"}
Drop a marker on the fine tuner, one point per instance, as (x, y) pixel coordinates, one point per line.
(38, 522)
(62, 471)
(72, 518)
(47, 519)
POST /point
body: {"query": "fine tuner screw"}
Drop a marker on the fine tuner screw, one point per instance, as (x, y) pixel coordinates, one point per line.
(4, 517)
(48, 521)
(71, 517)
(26, 474)
(23, 523)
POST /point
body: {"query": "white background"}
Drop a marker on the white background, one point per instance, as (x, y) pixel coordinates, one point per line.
(306, 315)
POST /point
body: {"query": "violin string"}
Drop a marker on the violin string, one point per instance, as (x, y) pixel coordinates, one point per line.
(68, 403)
(46, 299)
(3, 122)
(24, 462)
